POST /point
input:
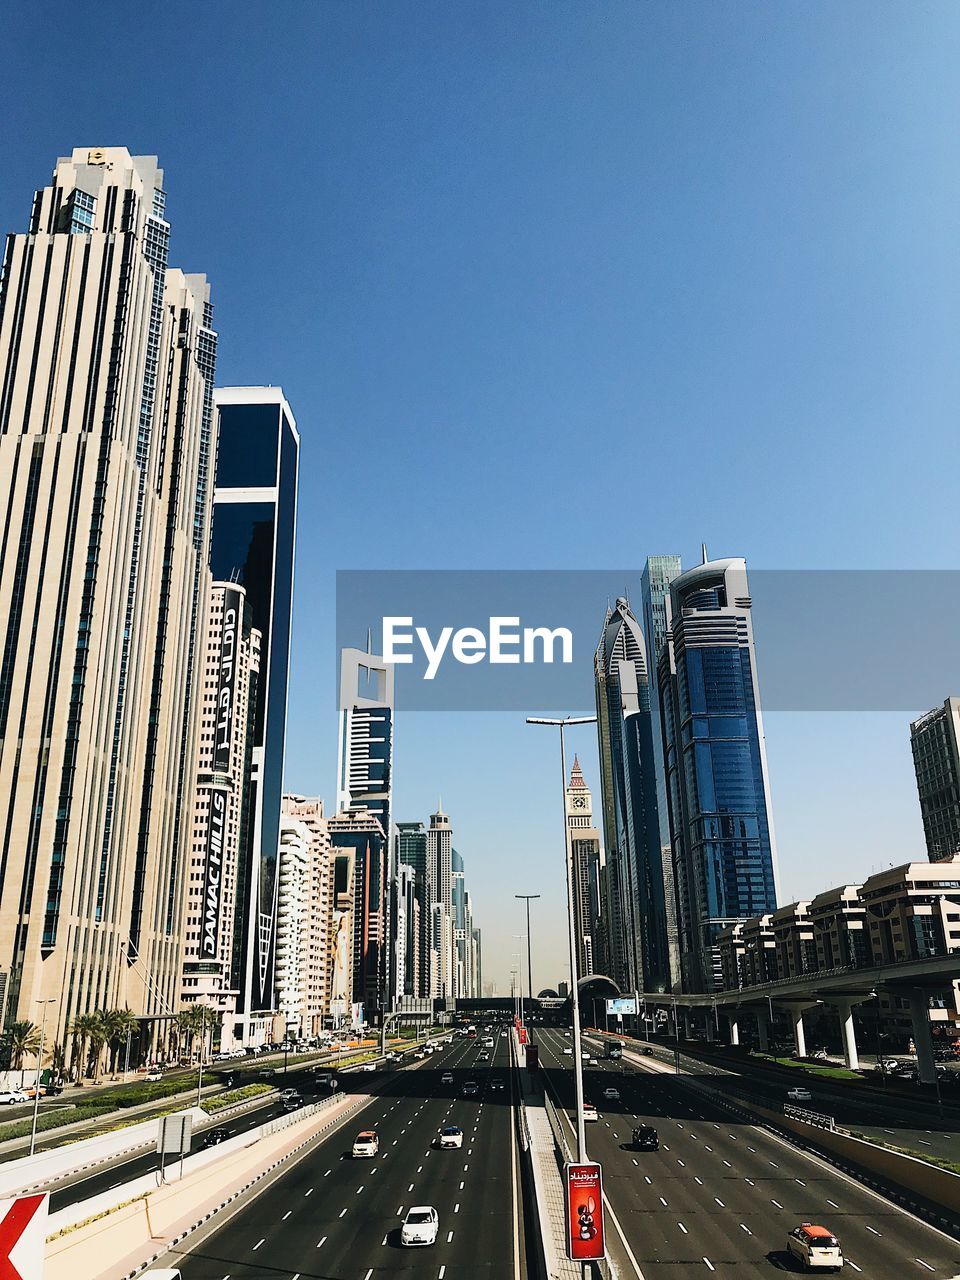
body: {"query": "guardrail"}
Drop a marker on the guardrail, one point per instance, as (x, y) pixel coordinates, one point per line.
(559, 1137)
(809, 1117)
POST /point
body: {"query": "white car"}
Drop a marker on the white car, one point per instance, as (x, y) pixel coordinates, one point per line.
(8, 1097)
(420, 1226)
(815, 1248)
(612, 1095)
(589, 1112)
(568, 1051)
(799, 1095)
(447, 1078)
(451, 1137)
(365, 1145)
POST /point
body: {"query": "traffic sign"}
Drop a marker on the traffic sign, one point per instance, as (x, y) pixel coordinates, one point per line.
(584, 1216)
(23, 1234)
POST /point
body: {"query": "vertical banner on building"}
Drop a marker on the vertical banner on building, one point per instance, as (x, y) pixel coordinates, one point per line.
(227, 679)
(356, 1017)
(584, 1215)
(213, 874)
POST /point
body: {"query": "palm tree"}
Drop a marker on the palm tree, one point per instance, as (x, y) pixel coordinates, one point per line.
(24, 1041)
(58, 1058)
(99, 1035)
(193, 1019)
(81, 1029)
(117, 1024)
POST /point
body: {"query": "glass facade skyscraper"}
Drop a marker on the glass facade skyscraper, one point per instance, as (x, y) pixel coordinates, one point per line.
(254, 532)
(637, 930)
(717, 785)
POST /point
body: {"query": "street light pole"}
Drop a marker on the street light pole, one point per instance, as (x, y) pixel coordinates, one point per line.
(203, 1028)
(36, 1083)
(528, 898)
(519, 954)
(571, 926)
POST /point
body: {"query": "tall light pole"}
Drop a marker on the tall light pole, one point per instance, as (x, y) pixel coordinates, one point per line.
(571, 927)
(36, 1084)
(528, 898)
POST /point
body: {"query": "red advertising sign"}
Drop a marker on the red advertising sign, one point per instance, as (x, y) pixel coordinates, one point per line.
(584, 1184)
(522, 1033)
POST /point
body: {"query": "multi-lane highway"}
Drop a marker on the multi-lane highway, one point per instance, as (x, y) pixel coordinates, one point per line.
(333, 1216)
(888, 1117)
(720, 1194)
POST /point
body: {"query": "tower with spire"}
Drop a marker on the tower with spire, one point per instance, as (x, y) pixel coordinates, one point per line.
(588, 875)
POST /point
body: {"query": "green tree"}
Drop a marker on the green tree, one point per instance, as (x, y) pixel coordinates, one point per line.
(99, 1035)
(117, 1024)
(81, 1029)
(24, 1042)
(193, 1021)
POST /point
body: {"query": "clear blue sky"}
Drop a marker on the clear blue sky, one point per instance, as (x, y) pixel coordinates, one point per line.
(561, 285)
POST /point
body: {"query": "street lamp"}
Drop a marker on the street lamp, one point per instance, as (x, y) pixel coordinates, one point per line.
(203, 1034)
(36, 1083)
(571, 928)
(528, 898)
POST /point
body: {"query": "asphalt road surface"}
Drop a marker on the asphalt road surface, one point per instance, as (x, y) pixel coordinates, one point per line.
(891, 1119)
(720, 1194)
(336, 1218)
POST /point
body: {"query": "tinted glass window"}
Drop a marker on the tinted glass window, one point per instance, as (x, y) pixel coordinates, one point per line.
(247, 453)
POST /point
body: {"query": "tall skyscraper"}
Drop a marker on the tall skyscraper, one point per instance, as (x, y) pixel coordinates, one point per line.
(586, 858)
(411, 841)
(106, 443)
(721, 821)
(935, 742)
(440, 889)
(658, 573)
(254, 532)
(359, 832)
(628, 752)
(308, 811)
(229, 672)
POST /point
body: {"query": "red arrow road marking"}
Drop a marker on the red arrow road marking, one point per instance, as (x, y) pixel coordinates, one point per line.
(18, 1218)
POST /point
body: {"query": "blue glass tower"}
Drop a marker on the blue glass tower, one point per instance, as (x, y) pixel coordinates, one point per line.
(721, 822)
(254, 531)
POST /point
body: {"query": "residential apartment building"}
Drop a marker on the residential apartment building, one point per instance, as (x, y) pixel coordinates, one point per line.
(935, 743)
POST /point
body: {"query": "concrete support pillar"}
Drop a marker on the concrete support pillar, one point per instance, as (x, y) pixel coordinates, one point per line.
(763, 1030)
(799, 1039)
(920, 1017)
(711, 1028)
(732, 1019)
(687, 1025)
(845, 1010)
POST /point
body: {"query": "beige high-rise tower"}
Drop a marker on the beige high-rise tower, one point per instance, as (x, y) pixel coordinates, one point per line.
(106, 448)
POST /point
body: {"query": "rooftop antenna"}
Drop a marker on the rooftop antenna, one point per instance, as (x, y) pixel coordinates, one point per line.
(703, 552)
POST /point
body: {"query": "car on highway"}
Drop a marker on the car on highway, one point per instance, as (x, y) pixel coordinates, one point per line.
(213, 1138)
(420, 1226)
(483, 1057)
(568, 1051)
(264, 1071)
(288, 1093)
(292, 1101)
(154, 1075)
(8, 1097)
(470, 1089)
(367, 1066)
(589, 1112)
(815, 1248)
(365, 1145)
(447, 1078)
(799, 1094)
(497, 1084)
(450, 1136)
(489, 1041)
(611, 1094)
(646, 1138)
(324, 1080)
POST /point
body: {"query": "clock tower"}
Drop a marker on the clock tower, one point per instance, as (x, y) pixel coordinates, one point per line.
(579, 800)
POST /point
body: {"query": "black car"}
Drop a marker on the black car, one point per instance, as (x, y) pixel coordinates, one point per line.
(646, 1138)
(496, 1084)
(213, 1138)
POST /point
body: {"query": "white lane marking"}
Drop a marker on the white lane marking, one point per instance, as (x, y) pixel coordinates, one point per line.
(680, 1163)
(449, 1236)
(323, 1241)
(801, 1181)
(342, 1212)
(719, 1202)
(384, 1240)
(359, 1189)
(874, 1231)
(778, 1204)
(369, 1274)
(744, 1227)
(728, 1164)
(440, 1273)
(926, 1264)
(683, 1228)
(419, 1168)
(774, 1163)
(708, 1148)
(465, 1168)
(634, 1161)
(286, 1215)
(751, 1182)
(852, 1264)
(328, 1173)
(833, 1204)
(258, 1244)
(697, 1180)
(710, 1264)
(308, 1193)
(461, 1186)
(663, 1202)
(410, 1188)
(647, 1180)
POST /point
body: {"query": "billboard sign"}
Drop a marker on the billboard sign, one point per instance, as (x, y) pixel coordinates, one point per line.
(584, 1211)
(213, 873)
(173, 1135)
(227, 679)
(623, 1004)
